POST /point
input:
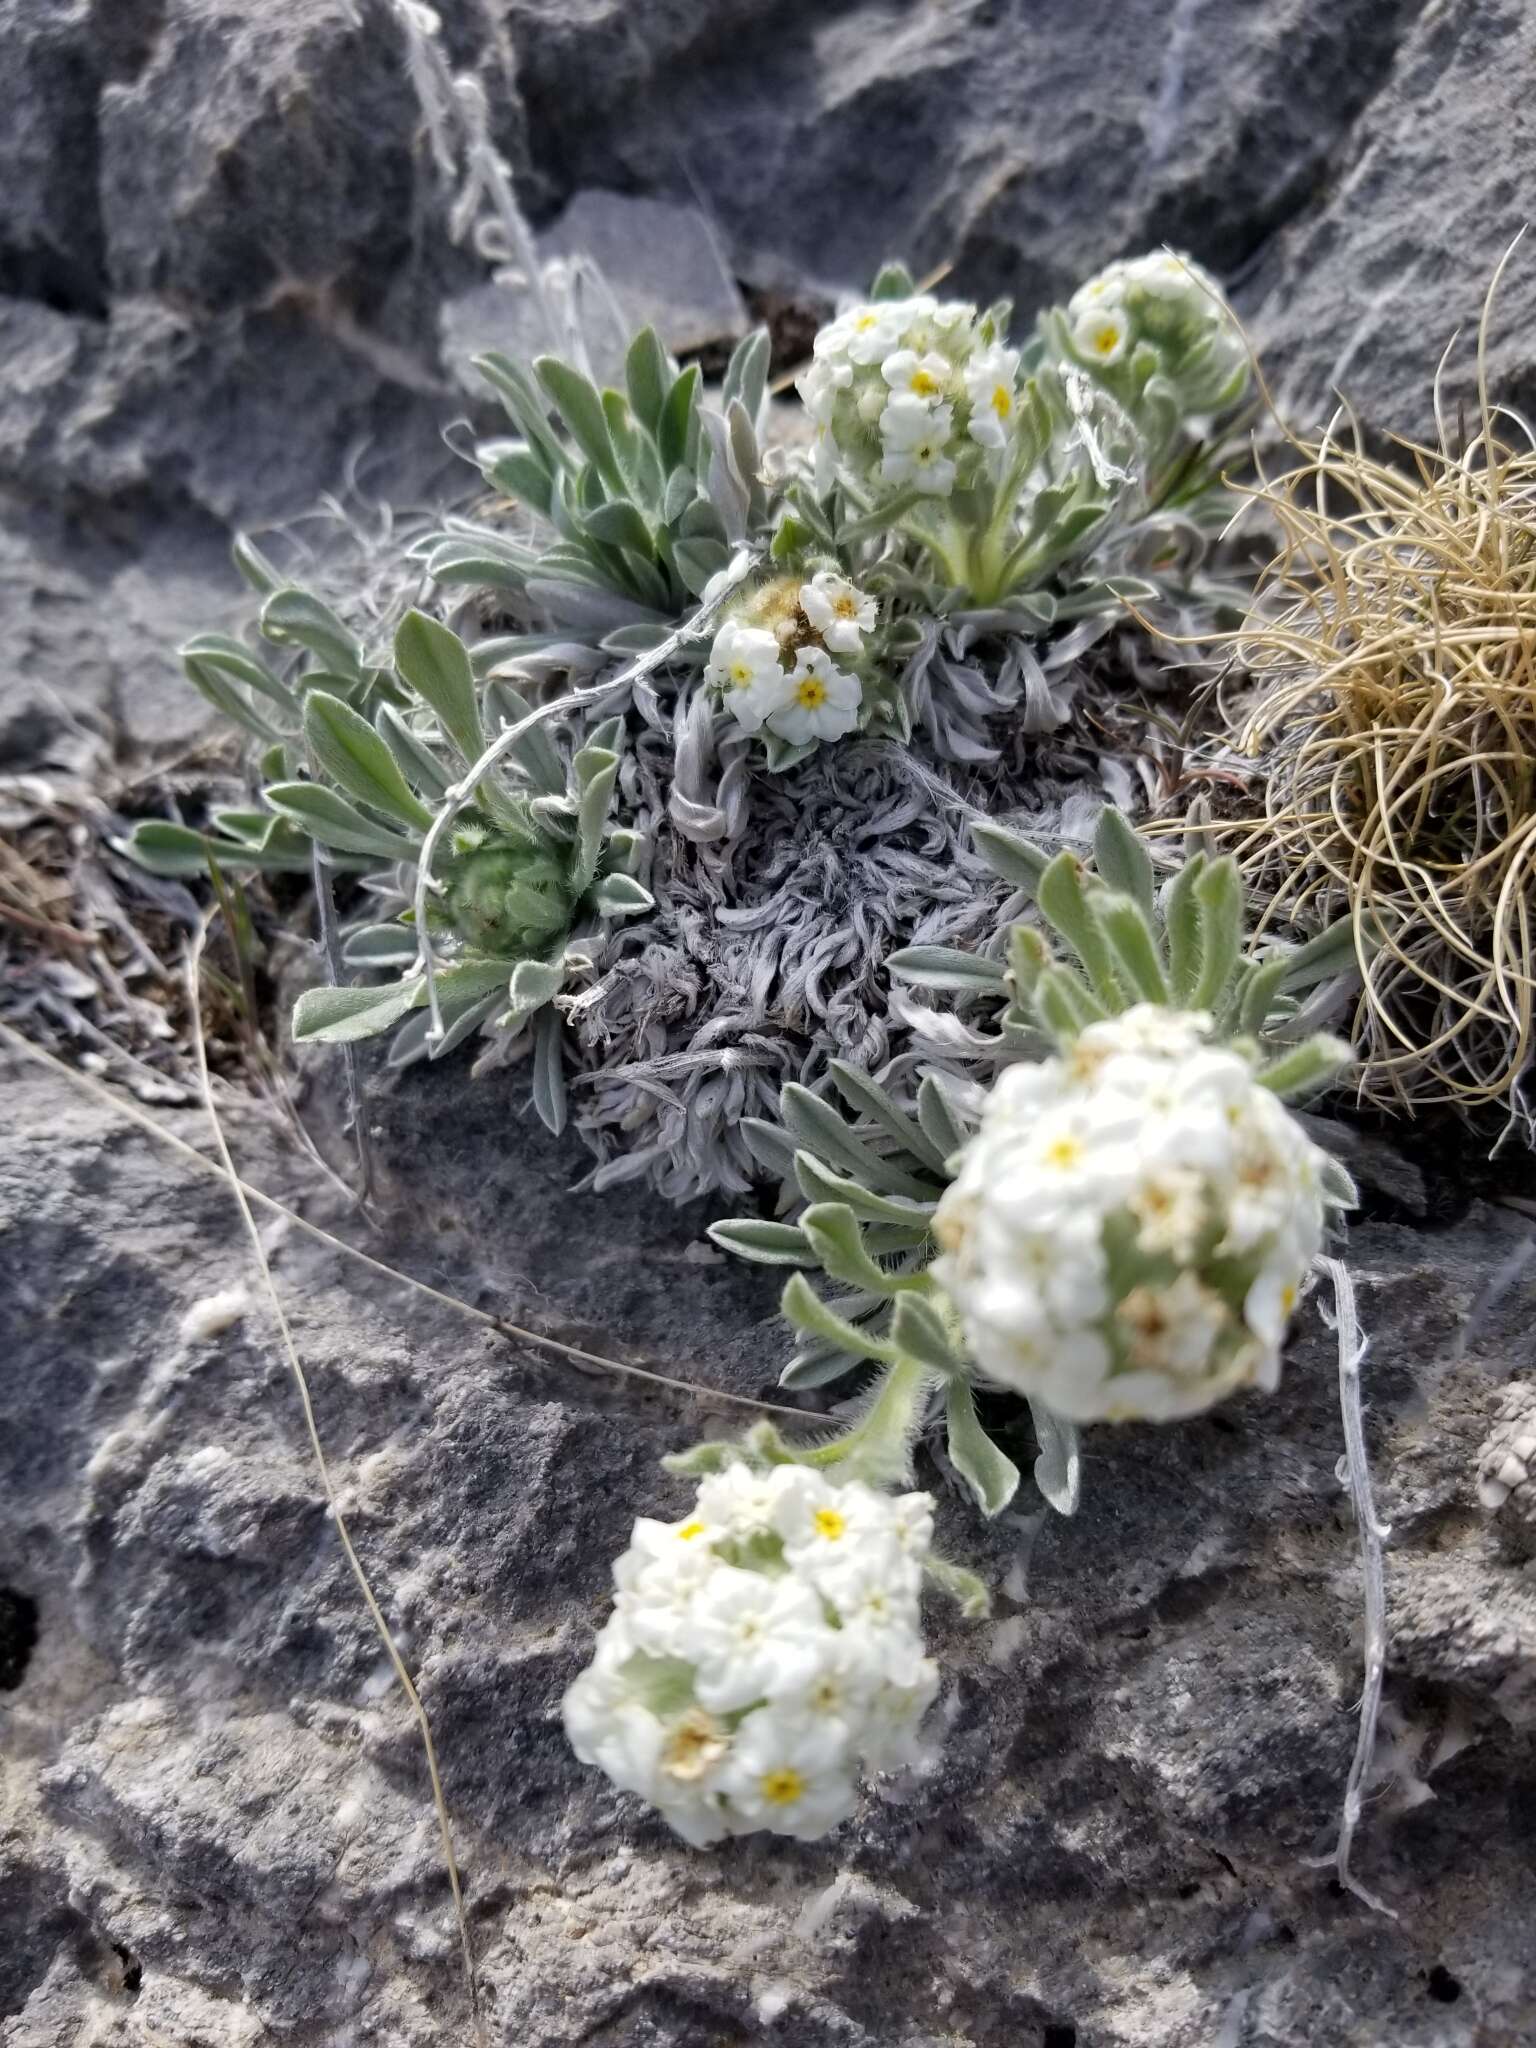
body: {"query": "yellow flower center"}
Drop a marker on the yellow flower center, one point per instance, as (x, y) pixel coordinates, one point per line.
(925, 384)
(865, 321)
(846, 606)
(1106, 338)
(925, 451)
(1002, 401)
(1064, 1152)
(830, 1523)
(811, 693)
(740, 675)
(689, 1530)
(784, 1786)
(1287, 1300)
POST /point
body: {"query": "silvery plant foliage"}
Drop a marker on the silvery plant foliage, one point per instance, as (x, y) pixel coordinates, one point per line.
(1094, 1195)
(670, 740)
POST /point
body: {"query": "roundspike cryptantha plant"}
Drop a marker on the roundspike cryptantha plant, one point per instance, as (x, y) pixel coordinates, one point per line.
(647, 522)
(518, 868)
(1120, 1225)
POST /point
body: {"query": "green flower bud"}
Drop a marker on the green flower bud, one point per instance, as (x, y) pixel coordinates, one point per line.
(508, 900)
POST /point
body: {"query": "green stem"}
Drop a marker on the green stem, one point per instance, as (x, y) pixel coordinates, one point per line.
(877, 1448)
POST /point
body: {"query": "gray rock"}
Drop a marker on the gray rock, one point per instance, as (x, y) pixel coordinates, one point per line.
(1364, 292)
(216, 1825)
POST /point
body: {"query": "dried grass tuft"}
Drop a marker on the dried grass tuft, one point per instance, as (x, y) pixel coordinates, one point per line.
(1392, 655)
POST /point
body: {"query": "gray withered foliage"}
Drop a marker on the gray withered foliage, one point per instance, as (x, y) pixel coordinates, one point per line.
(863, 1162)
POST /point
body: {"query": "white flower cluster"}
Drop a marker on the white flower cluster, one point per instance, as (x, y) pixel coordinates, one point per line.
(772, 660)
(759, 1653)
(1132, 1224)
(908, 393)
(1172, 307)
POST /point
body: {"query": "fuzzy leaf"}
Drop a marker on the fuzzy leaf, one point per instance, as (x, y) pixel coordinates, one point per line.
(766, 1244)
(297, 618)
(647, 377)
(1064, 904)
(802, 1306)
(861, 1093)
(549, 1099)
(1121, 857)
(818, 1183)
(965, 1588)
(433, 661)
(834, 1234)
(1306, 1067)
(164, 848)
(677, 419)
(1219, 893)
(415, 760)
(342, 1016)
(746, 374)
(1015, 859)
(332, 821)
(1058, 1469)
(817, 1124)
(581, 408)
(262, 575)
(946, 967)
(992, 1477)
(918, 1330)
(941, 1125)
(1181, 921)
(232, 662)
(893, 281)
(525, 408)
(351, 753)
(531, 985)
(620, 896)
(1125, 925)
(596, 771)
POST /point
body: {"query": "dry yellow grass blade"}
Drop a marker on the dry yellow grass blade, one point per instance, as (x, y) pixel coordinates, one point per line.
(1391, 653)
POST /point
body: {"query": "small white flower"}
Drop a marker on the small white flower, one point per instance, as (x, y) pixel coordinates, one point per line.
(744, 665)
(873, 331)
(751, 1637)
(787, 1774)
(923, 377)
(1101, 334)
(820, 703)
(841, 613)
(991, 385)
(915, 437)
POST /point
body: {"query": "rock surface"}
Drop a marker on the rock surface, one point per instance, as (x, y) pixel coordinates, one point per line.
(222, 272)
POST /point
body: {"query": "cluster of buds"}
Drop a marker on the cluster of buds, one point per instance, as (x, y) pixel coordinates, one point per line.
(1133, 1223)
(785, 659)
(760, 1653)
(910, 395)
(506, 892)
(1159, 316)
